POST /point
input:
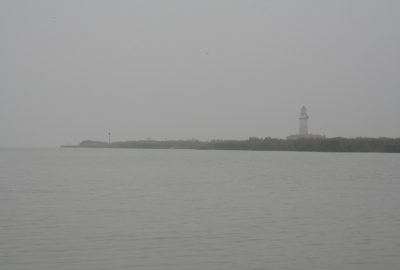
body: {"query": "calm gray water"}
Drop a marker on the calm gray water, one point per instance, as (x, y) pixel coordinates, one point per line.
(187, 209)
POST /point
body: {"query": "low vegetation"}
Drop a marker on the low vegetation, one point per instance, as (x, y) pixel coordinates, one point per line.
(339, 144)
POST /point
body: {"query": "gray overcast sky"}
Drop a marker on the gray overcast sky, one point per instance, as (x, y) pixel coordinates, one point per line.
(72, 70)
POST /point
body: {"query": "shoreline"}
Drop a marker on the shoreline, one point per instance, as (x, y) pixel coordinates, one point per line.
(338, 144)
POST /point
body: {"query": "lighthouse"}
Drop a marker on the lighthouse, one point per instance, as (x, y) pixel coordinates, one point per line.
(303, 128)
(303, 119)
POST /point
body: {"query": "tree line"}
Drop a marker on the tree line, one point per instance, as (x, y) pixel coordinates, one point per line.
(338, 144)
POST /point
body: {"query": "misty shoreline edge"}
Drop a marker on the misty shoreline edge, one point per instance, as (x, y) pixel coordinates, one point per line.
(337, 144)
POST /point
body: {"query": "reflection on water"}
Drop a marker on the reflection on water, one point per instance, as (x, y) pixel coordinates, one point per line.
(187, 209)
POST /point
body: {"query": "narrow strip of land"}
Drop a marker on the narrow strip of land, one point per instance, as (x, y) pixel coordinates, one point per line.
(338, 144)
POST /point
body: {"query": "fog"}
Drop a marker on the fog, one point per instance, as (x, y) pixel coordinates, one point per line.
(75, 70)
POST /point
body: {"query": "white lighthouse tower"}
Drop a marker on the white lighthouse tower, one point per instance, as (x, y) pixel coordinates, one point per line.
(303, 128)
(303, 119)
